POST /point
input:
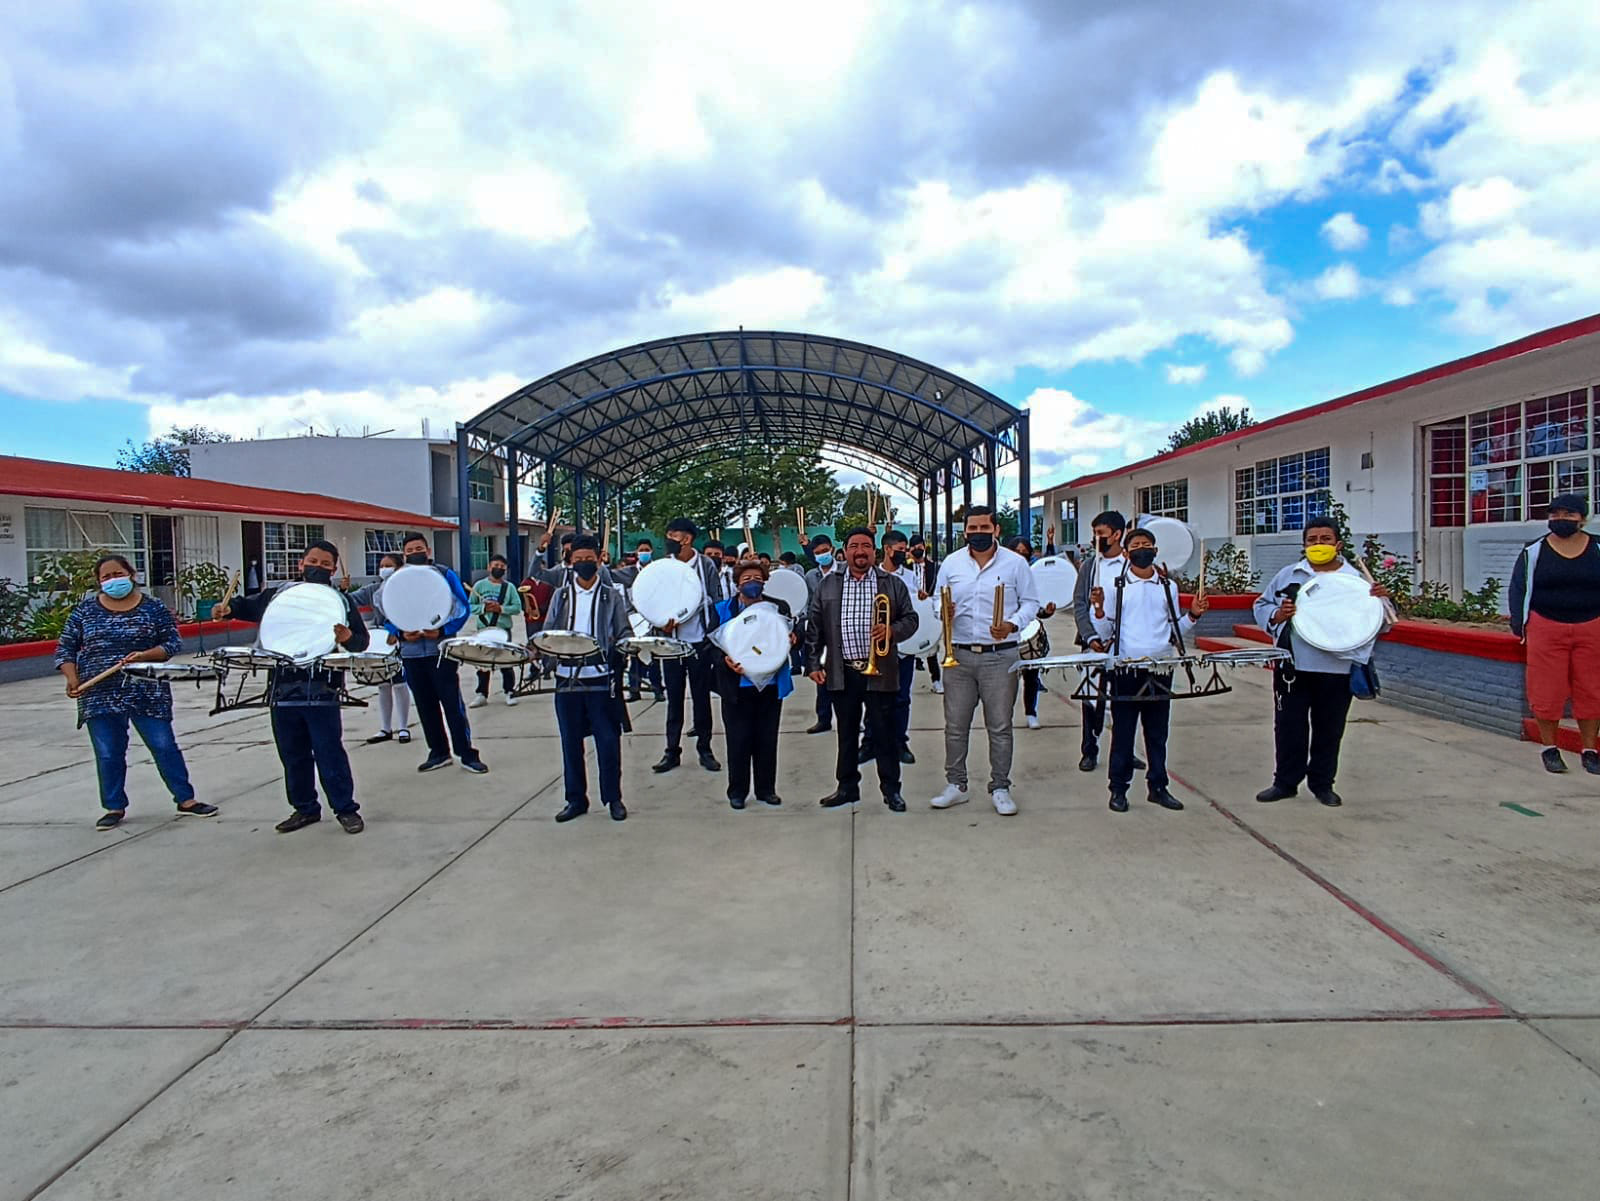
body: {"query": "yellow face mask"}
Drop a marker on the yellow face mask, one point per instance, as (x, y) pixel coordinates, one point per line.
(1321, 554)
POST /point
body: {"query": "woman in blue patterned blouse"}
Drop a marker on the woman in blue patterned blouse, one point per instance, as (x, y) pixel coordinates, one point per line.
(119, 624)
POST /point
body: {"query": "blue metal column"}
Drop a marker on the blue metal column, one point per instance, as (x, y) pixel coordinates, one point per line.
(966, 487)
(463, 508)
(600, 511)
(1024, 480)
(577, 501)
(922, 507)
(993, 485)
(949, 508)
(513, 525)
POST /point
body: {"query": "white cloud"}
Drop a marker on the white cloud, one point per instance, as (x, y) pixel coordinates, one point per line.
(1246, 362)
(1339, 282)
(1399, 296)
(1178, 373)
(1068, 431)
(1343, 232)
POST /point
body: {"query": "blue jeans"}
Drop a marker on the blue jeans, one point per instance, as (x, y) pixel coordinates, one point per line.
(310, 742)
(108, 734)
(589, 714)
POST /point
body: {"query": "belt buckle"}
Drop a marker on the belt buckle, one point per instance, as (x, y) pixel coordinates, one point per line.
(858, 665)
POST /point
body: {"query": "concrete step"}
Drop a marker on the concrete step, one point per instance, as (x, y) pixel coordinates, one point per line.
(1252, 634)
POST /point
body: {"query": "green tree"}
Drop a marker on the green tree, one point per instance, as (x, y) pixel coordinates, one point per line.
(167, 454)
(1210, 425)
(719, 489)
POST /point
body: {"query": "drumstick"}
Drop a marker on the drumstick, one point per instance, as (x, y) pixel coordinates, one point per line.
(93, 680)
(605, 537)
(1389, 611)
(1205, 562)
(228, 595)
(800, 523)
(555, 520)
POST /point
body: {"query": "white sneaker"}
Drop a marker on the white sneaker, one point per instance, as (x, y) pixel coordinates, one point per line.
(953, 794)
(510, 700)
(1033, 722)
(478, 701)
(1003, 804)
(938, 686)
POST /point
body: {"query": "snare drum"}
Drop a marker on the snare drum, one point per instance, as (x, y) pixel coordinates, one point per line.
(655, 646)
(250, 659)
(487, 649)
(566, 646)
(1253, 656)
(365, 667)
(171, 671)
(1035, 643)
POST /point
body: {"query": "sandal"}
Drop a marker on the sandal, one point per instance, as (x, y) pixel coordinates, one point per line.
(380, 736)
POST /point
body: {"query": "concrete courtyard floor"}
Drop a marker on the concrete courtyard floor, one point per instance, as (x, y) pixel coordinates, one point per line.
(1398, 999)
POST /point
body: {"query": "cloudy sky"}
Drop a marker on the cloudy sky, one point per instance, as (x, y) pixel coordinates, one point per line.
(362, 213)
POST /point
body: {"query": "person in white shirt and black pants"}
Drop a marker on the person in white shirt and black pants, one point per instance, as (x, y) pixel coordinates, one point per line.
(1143, 622)
(985, 649)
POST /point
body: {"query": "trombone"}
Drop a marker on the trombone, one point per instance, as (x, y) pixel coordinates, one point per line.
(947, 619)
(881, 616)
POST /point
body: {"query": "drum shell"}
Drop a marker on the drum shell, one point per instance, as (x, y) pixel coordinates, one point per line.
(925, 639)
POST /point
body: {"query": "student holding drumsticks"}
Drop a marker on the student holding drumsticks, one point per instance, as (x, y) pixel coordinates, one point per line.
(120, 624)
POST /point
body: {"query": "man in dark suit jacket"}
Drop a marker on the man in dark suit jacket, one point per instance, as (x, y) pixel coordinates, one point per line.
(843, 620)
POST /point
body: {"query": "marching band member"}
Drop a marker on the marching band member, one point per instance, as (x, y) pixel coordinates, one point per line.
(843, 618)
(434, 680)
(1555, 610)
(588, 698)
(923, 572)
(1311, 693)
(985, 648)
(394, 698)
(490, 598)
(1031, 688)
(750, 715)
(305, 708)
(894, 562)
(644, 554)
(120, 624)
(693, 671)
(1143, 623)
(1102, 567)
(723, 562)
(822, 555)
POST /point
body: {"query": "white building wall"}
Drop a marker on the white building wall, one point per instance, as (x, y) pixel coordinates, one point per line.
(392, 473)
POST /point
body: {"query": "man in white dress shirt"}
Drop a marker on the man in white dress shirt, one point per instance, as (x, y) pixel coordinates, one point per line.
(1143, 622)
(985, 648)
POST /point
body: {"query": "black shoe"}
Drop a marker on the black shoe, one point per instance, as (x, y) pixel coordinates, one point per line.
(434, 763)
(619, 811)
(865, 755)
(1087, 763)
(1553, 762)
(380, 736)
(709, 761)
(633, 695)
(774, 800)
(661, 696)
(836, 798)
(1591, 762)
(896, 803)
(351, 822)
(1138, 763)
(819, 727)
(1160, 796)
(110, 819)
(402, 736)
(666, 763)
(297, 821)
(197, 809)
(571, 811)
(476, 766)
(1276, 792)
(1329, 797)
(1119, 802)
(907, 757)
(736, 802)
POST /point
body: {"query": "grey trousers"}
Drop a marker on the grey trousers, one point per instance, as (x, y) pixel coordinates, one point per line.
(987, 678)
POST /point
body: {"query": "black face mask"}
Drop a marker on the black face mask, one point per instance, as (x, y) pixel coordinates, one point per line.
(980, 542)
(898, 558)
(586, 570)
(1105, 546)
(497, 573)
(316, 575)
(1143, 557)
(419, 558)
(1564, 527)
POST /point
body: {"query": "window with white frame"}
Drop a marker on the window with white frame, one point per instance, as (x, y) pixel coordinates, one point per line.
(480, 552)
(55, 531)
(1282, 493)
(1166, 500)
(1505, 463)
(285, 544)
(480, 481)
(380, 543)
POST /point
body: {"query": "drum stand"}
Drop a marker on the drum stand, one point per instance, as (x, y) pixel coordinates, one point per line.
(263, 699)
(1096, 687)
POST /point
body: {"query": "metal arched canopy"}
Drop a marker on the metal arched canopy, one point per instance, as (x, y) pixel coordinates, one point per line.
(620, 416)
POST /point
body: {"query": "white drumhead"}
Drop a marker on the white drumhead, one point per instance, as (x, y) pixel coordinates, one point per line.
(640, 626)
(1336, 612)
(1054, 579)
(416, 598)
(568, 643)
(493, 635)
(790, 588)
(299, 622)
(925, 639)
(757, 639)
(1175, 543)
(667, 590)
(1082, 660)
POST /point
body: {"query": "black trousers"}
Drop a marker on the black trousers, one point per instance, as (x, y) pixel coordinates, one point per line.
(1094, 721)
(638, 673)
(508, 681)
(695, 672)
(1126, 718)
(848, 705)
(933, 666)
(310, 740)
(1308, 726)
(436, 688)
(1030, 693)
(751, 726)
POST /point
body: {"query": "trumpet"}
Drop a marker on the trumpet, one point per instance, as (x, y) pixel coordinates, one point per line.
(947, 619)
(879, 649)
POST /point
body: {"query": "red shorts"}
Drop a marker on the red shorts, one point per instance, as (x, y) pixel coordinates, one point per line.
(1563, 664)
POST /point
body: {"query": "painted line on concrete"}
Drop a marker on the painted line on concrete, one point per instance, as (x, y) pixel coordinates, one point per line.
(1522, 809)
(1400, 939)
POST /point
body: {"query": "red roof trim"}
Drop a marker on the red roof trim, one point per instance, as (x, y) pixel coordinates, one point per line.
(72, 481)
(1483, 358)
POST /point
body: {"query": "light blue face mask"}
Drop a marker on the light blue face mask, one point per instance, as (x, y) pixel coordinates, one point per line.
(645, 556)
(117, 587)
(825, 559)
